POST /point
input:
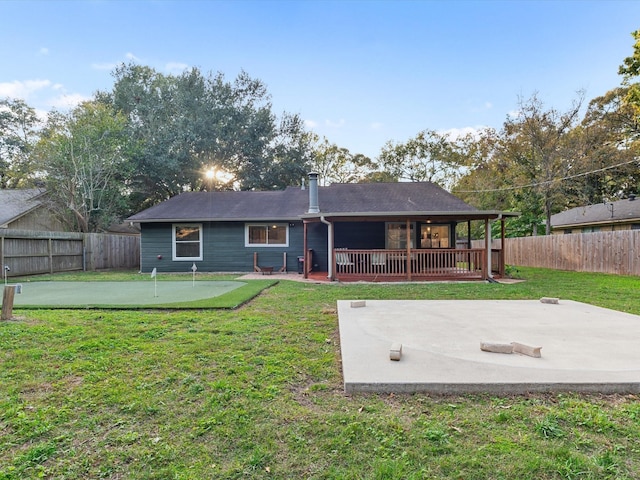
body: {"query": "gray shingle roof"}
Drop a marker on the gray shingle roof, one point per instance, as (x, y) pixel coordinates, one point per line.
(246, 205)
(16, 203)
(623, 211)
(389, 197)
(293, 202)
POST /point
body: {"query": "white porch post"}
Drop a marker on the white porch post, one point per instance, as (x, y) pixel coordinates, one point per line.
(487, 239)
(330, 274)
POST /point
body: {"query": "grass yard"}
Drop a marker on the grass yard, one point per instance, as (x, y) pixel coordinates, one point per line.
(256, 392)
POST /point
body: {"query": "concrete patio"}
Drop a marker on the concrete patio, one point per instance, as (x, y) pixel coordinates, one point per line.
(584, 348)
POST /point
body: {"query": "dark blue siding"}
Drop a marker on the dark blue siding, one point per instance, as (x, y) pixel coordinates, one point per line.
(223, 249)
(317, 241)
(364, 235)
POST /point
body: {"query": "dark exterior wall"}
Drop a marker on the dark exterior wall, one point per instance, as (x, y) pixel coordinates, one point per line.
(359, 235)
(317, 241)
(223, 249)
(371, 235)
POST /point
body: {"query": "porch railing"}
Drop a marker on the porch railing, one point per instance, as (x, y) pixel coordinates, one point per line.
(442, 264)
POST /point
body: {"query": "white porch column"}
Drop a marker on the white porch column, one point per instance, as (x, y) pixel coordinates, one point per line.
(330, 275)
(487, 239)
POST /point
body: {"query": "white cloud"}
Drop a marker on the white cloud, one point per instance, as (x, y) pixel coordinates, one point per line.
(42, 95)
(339, 124)
(176, 67)
(377, 125)
(488, 105)
(43, 51)
(456, 133)
(22, 89)
(310, 123)
(67, 101)
(131, 56)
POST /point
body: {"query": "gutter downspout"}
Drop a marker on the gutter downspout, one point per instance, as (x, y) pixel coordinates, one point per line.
(329, 247)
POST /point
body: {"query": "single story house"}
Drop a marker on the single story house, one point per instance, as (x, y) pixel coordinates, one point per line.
(369, 231)
(26, 209)
(601, 217)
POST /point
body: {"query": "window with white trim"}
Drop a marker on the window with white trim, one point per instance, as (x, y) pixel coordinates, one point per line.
(187, 241)
(266, 235)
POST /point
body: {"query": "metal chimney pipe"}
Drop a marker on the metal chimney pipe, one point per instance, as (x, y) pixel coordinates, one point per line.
(314, 207)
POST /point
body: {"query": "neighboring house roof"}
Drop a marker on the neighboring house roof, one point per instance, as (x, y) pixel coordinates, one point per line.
(621, 211)
(17, 203)
(123, 229)
(347, 199)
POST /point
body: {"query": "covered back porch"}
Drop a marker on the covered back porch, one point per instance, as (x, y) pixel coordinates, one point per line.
(416, 248)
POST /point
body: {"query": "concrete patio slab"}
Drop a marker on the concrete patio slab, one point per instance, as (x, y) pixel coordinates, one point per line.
(584, 348)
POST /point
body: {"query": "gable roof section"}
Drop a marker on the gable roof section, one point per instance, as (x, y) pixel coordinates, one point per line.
(600, 213)
(17, 203)
(341, 200)
(244, 206)
(388, 197)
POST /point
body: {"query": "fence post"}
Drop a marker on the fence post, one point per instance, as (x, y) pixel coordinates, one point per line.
(7, 302)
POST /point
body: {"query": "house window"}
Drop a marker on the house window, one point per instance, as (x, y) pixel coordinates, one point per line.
(568, 231)
(397, 235)
(434, 236)
(635, 226)
(187, 242)
(267, 235)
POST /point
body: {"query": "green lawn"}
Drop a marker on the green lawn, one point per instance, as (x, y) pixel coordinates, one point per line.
(256, 392)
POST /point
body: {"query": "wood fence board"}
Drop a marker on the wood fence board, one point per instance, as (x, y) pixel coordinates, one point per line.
(616, 252)
(32, 252)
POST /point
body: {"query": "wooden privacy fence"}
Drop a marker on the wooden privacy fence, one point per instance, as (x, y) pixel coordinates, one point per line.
(605, 252)
(28, 252)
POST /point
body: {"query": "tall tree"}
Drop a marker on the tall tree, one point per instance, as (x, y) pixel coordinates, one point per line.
(83, 156)
(289, 155)
(429, 156)
(539, 144)
(610, 144)
(188, 124)
(18, 134)
(630, 70)
(336, 164)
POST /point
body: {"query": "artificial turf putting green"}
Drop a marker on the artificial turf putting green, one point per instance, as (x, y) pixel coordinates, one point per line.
(90, 294)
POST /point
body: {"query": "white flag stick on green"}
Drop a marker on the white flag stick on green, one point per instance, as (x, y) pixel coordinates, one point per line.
(154, 274)
(193, 269)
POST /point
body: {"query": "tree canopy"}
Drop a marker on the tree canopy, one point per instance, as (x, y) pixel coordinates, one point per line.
(152, 136)
(187, 124)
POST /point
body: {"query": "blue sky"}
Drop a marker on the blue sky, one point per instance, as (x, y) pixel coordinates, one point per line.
(360, 73)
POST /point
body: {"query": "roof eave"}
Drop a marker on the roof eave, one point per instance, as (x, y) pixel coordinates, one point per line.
(478, 214)
(200, 220)
(597, 222)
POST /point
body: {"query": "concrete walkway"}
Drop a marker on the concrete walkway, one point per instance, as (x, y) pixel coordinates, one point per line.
(296, 277)
(584, 348)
